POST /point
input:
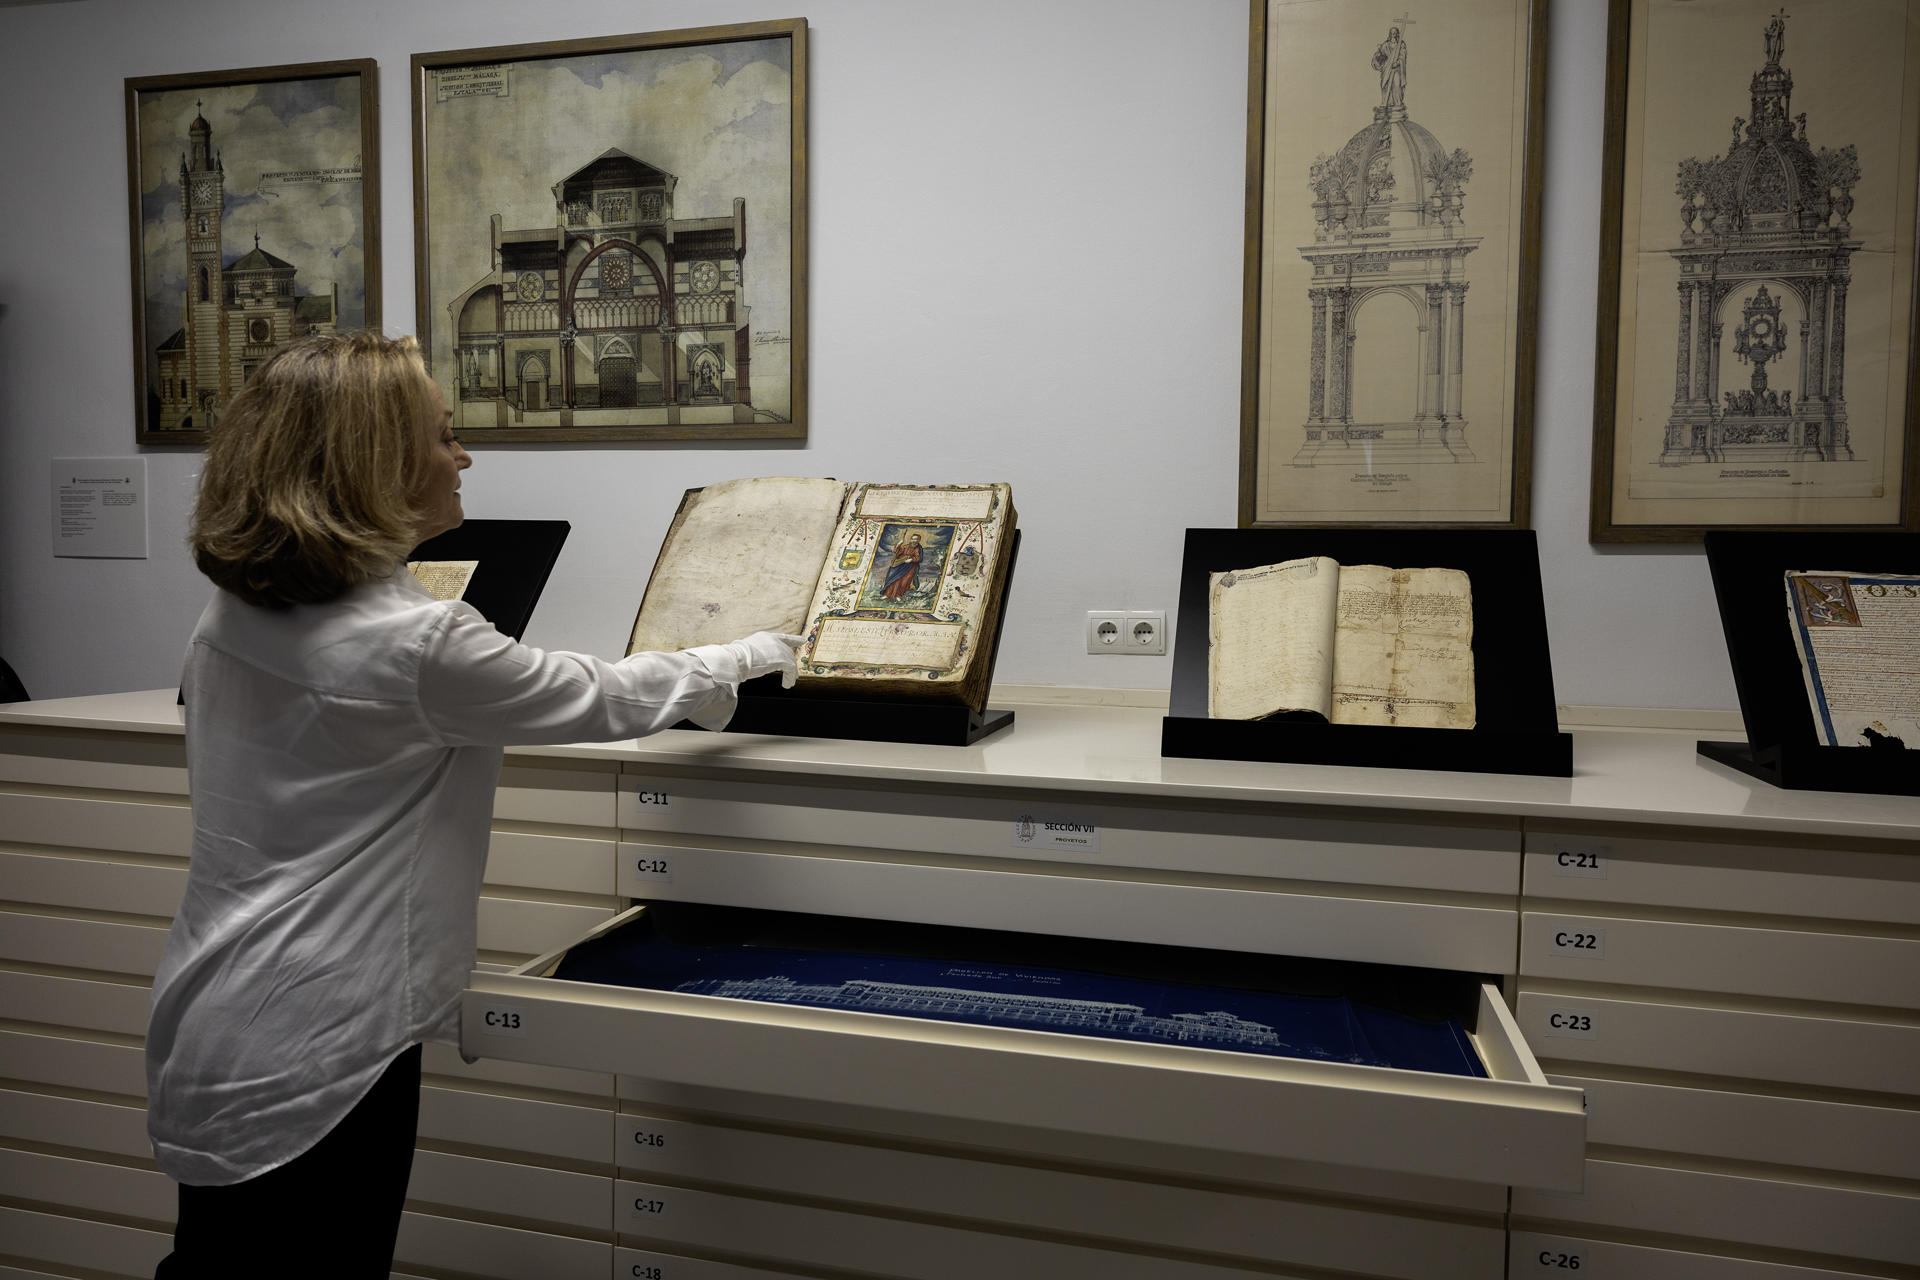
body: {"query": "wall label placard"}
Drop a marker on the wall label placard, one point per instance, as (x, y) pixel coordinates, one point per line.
(100, 508)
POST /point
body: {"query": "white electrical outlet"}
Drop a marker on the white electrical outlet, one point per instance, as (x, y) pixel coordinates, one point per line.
(1142, 631)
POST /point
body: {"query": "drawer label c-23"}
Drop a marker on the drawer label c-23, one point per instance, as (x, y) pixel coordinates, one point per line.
(1030, 832)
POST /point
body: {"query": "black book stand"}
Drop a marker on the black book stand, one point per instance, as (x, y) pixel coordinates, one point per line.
(1517, 722)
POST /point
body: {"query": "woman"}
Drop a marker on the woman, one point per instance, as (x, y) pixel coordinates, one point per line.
(344, 734)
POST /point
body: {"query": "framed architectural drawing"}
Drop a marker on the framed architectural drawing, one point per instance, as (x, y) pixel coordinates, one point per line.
(1393, 210)
(1755, 364)
(233, 260)
(610, 235)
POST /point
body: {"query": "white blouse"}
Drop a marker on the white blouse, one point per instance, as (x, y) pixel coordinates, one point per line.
(342, 759)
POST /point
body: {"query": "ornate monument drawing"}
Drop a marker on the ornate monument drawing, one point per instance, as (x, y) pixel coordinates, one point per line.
(1764, 244)
(1388, 234)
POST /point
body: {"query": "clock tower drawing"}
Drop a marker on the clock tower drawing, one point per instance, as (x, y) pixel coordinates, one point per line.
(233, 315)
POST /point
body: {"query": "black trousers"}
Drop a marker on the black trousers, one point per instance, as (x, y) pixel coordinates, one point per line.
(333, 1210)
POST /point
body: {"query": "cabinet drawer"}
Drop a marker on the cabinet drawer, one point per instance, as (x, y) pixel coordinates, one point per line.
(85, 1246)
(572, 1202)
(523, 926)
(498, 1253)
(1273, 1228)
(1832, 1053)
(555, 1130)
(539, 861)
(109, 1190)
(100, 945)
(647, 1264)
(107, 1127)
(1080, 902)
(1512, 1127)
(74, 1064)
(1787, 964)
(1757, 1128)
(1360, 850)
(92, 884)
(1758, 879)
(444, 1060)
(1805, 1216)
(101, 764)
(76, 822)
(801, 1235)
(1535, 1255)
(532, 792)
(74, 1002)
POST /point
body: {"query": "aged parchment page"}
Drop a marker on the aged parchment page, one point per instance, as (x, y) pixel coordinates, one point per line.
(1271, 633)
(1858, 637)
(1404, 650)
(741, 556)
(446, 579)
(911, 581)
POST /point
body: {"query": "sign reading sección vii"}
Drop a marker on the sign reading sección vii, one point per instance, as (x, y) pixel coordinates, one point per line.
(1030, 832)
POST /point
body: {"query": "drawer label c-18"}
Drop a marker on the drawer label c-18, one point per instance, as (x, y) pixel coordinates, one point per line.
(1030, 832)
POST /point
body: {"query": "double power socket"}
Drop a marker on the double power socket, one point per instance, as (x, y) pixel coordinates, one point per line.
(1142, 631)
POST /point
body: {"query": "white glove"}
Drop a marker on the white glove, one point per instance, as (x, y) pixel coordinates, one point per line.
(768, 651)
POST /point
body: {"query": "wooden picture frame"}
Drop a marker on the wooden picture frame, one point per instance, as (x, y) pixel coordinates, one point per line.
(611, 235)
(1755, 365)
(1393, 172)
(289, 155)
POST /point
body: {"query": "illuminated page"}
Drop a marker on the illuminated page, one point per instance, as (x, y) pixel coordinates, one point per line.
(1270, 639)
(446, 579)
(1403, 654)
(1858, 637)
(741, 556)
(908, 584)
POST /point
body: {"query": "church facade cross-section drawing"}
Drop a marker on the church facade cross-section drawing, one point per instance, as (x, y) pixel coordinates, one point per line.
(1763, 259)
(619, 305)
(1389, 244)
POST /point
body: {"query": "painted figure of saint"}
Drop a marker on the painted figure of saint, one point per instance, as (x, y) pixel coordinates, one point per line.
(904, 570)
(1390, 60)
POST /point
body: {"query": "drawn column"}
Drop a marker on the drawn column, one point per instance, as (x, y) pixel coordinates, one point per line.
(1703, 343)
(1817, 344)
(1337, 356)
(1317, 358)
(1457, 350)
(1681, 365)
(1436, 340)
(1837, 345)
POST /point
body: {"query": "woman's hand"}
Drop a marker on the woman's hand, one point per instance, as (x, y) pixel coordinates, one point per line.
(768, 651)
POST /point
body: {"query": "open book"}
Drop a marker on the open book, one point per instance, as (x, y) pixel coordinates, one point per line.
(1359, 644)
(1858, 639)
(897, 588)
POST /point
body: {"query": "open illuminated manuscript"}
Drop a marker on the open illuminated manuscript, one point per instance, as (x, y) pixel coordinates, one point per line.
(1356, 644)
(897, 588)
(1858, 639)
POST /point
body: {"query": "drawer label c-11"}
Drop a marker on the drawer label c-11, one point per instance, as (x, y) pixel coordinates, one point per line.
(1030, 832)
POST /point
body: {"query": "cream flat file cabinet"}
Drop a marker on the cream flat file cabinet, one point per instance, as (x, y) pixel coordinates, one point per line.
(514, 1176)
(1744, 1017)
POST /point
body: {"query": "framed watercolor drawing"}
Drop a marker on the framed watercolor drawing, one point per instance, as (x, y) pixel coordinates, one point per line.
(610, 235)
(1393, 209)
(1755, 365)
(254, 219)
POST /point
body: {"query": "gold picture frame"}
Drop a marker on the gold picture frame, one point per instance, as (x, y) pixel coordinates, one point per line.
(289, 155)
(611, 235)
(1755, 365)
(1392, 262)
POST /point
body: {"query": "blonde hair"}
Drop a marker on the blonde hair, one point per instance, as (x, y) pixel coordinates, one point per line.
(309, 475)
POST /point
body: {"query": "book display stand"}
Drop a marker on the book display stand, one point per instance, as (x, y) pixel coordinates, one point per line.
(515, 557)
(1517, 721)
(767, 708)
(1783, 746)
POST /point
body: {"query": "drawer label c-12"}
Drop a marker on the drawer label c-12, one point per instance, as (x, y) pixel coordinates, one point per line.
(1030, 832)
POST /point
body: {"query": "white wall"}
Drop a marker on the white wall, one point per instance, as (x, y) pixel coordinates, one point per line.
(1026, 222)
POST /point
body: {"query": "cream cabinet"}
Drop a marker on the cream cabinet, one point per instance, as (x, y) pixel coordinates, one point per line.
(1693, 998)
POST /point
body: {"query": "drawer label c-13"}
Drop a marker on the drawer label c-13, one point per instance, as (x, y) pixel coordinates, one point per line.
(503, 1020)
(1030, 832)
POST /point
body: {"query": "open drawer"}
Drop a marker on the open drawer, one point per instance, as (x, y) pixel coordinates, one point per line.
(1509, 1126)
